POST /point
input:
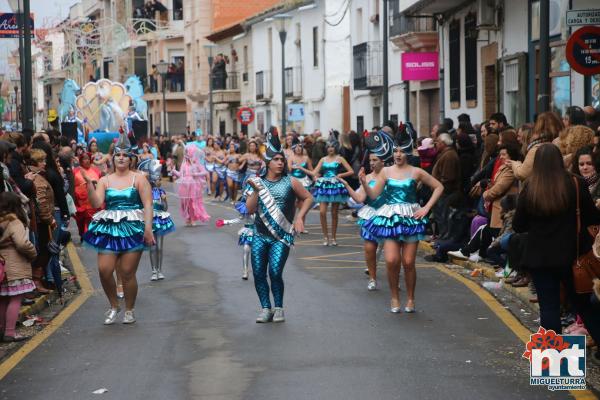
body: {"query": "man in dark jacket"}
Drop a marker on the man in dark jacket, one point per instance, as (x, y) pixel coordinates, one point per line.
(17, 166)
(446, 170)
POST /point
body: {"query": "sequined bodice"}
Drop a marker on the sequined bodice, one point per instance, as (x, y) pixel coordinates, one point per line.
(380, 200)
(399, 191)
(157, 198)
(123, 199)
(297, 173)
(284, 197)
(330, 169)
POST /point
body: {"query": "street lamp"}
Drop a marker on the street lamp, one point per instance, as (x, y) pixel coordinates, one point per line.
(282, 21)
(162, 67)
(209, 48)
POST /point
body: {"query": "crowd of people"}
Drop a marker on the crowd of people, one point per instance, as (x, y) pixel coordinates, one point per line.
(520, 199)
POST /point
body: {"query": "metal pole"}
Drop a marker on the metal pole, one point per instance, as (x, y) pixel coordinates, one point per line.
(164, 105)
(543, 95)
(210, 94)
(282, 37)
(28, 105)
(21, 63)
(385, 64)
(442, 90)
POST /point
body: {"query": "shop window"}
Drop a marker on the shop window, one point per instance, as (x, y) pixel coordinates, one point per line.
(471, 34)
(560, 78)
(454, 62)
(592, 91)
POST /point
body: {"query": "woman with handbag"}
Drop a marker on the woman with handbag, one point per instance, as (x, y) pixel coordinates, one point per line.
(555, 209)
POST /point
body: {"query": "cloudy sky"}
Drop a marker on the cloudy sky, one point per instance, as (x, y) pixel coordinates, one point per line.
(47, 13)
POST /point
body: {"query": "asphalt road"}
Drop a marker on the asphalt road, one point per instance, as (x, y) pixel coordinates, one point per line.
(196, 338)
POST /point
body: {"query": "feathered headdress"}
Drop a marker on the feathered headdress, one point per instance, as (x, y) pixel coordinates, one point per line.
(332, 141)
(381, 145)
(272, 144)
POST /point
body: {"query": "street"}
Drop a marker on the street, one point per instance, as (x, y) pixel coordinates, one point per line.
(195, 337)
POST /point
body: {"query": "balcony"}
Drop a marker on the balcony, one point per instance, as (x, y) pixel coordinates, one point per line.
(368, 67)
(264, 88)
(226, 89)
(293, 83)
(414, 33)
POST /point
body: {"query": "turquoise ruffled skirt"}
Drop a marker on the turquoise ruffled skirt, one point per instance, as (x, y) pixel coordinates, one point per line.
(329, 190)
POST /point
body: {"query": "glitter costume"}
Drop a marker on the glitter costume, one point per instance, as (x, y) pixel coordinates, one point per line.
(301, 175)
(328, 188)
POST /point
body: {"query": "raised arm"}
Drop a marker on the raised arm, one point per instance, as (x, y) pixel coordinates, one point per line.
(375, 191)
(358, 196)
(95, 194)
(316, 172)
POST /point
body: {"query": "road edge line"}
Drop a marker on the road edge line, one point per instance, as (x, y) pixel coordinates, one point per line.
(86, 291)
(507, 318)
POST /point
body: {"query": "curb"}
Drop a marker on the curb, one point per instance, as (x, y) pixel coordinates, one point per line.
(489, 273)
(41, 302)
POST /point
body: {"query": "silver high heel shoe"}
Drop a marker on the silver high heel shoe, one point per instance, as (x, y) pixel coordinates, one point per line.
(110, 316)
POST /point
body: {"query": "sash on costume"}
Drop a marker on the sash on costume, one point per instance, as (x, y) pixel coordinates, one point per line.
(274, 212)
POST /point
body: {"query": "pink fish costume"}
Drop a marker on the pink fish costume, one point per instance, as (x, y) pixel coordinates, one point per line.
(191, 180)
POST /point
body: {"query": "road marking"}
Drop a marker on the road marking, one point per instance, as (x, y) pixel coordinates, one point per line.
(331, 255)
(86, 291)
(506, 317)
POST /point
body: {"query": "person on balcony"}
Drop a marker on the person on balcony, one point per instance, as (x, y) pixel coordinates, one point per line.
(219, 73)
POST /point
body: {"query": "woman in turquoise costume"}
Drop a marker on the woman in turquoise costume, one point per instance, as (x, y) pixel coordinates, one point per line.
(272, 201)
(301, 166)
(377, 159)
(162, 223)
(400, 223)
(329, 189)
(122, 230)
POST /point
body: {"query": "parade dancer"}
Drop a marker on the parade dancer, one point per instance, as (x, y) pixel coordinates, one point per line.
(253, 161)
(329, 189)
(400, 223)
(190, 185)
(272, 201)
(377, 158)
(301, 166)
(162, 222)
(122, 230)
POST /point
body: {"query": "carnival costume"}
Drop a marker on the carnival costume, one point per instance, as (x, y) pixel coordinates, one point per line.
(273, 233)
(162, 223)
(119, 228)
(328, 188)
(301, 175)
(245, 234)
(395, 219)
(190, 186)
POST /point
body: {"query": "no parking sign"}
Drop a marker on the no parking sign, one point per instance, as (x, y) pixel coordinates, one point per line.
(583, 50)
(245, 115)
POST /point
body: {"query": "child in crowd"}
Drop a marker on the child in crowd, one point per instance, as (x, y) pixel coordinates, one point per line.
(16, 254)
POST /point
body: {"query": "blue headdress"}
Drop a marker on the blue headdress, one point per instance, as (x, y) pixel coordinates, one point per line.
(381, 145)
(124, 145)
(152, 168)
(332, 141)
(272, 144)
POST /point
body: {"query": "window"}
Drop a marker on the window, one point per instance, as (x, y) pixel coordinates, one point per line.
(359, 25)
(177, 10)
(360, 123)
(315, 46)
(560, 79)
(245, 73)
(454, 60)
(471, 57)
(592, 91)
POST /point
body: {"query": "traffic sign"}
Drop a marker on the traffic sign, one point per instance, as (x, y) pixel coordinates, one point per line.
(583, 17)
(245, 115)
(583, 50)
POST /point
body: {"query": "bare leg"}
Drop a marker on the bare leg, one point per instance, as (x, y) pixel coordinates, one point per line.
(392, 262)
(323, 216)
(106, 268)
(409, 253)
(335, 207)
(213, 183)
(371, 258)
(230, 187)
(127, 268)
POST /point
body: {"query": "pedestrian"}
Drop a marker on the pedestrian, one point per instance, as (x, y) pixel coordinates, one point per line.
(122, 230)
(301, 166)
(547, 209)
(191, 179)
(447, 171)
(272, 203)
(328, 189)
(16, 255)
(377, 159)
(400, 223)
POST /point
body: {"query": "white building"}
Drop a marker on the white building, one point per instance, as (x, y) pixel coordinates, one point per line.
(317, 72)
(366, 31)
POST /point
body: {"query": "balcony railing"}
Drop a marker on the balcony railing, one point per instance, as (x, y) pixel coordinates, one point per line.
(264, 90)
(227, 82)
(402, 24)
(293, 82)
(368, 67)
